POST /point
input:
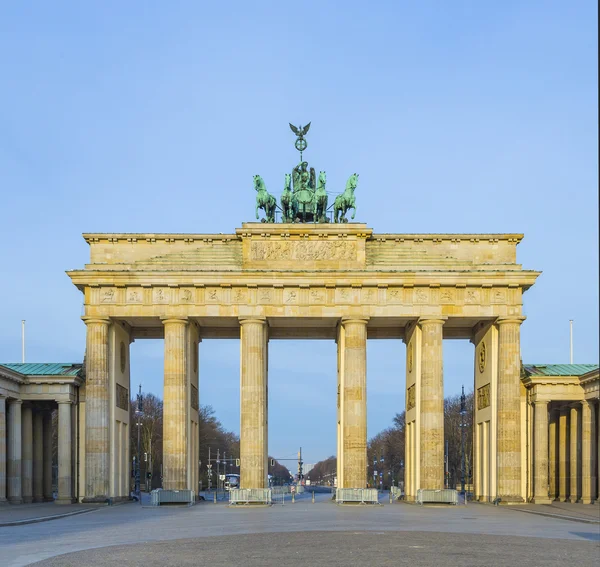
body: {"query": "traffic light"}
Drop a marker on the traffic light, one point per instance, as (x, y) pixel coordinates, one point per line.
(148, 475)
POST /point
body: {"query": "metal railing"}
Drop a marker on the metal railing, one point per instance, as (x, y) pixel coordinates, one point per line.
(160, 496)
(444, 496)
(250, 496)
(358, 495)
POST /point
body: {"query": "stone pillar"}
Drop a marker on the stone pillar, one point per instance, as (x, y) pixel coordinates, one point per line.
(253, 403)
(175, 406)
(588, 476)
(573, 452)
(552, 456)
(47, 459)
(540, 459)
(97, 414)
(432, 405)
(508, 460)
(27, 454)
(13, 453)
(38, 457)
(3, 451)
(65, 480)
(354, 404)
(563, 447)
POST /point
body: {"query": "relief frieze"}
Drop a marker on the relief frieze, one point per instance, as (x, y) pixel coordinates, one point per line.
(303, 250)
(410, 398)
(483, 397)
(122, 397)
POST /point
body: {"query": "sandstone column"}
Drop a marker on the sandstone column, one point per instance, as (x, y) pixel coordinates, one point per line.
(65, 492)
(509, 410)
(47, 464)
(563, 447)
(38, 457)
(2, 450)
(574, 457)
(27, 454)
(253, 403)
(588, 476)
(175, 406)
(552, 460)
(540, 459)
(14, 493)
(354, 394)
(97, 414)
(432, 405)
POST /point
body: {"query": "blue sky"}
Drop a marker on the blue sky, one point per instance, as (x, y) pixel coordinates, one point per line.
(153, 117)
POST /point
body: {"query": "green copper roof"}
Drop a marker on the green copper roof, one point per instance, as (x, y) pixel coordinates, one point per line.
(45, 368)
(558, 369)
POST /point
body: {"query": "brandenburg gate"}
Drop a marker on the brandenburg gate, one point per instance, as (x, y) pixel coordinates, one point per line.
(336, 282)
(304, 278)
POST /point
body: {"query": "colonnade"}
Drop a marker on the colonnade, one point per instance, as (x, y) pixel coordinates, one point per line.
(565, 452)
(26, 455)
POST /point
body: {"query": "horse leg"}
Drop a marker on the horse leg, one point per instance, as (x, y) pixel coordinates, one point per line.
(257, 203)
(354, 212)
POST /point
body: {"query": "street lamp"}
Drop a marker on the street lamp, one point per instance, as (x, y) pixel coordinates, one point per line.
(463, 412)
(139, 413)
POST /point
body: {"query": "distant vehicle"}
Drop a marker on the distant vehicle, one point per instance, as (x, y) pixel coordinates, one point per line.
(232, 481)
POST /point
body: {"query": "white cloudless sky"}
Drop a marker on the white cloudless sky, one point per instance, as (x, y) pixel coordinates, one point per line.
(460, 116)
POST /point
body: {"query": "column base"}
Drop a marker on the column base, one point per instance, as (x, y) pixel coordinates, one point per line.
(586, 501)
(27, 499)
(95, 500)
(3, 502)
(510, 499)
(61, 501)
(541, 500)
(573, 500)
(38, 499)
(13, 500)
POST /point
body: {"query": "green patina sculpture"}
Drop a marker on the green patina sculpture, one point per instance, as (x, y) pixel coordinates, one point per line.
(346, 200)
(264, 200)
(321, 199)
(304, 198)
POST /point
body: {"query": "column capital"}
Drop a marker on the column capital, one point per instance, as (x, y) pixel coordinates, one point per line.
(174, 320)
(430, 320)
(357, 320)
(95, 320)
(517, 319)
(59, 402)
(589, 403)
(541, 403)
(249, 320)
(14, 401)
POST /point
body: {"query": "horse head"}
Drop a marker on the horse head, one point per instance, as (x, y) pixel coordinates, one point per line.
(288, 182)
(322, 180)
(258, 183)
(352, 182)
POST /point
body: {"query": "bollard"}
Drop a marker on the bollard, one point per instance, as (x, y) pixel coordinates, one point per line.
(391, 499)
(293, 497)
(215, 498)
(313, 497)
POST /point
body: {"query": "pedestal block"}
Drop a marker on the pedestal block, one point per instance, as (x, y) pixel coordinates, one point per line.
(563, 452)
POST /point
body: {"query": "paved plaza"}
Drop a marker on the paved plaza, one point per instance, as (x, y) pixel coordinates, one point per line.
(304, 533)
